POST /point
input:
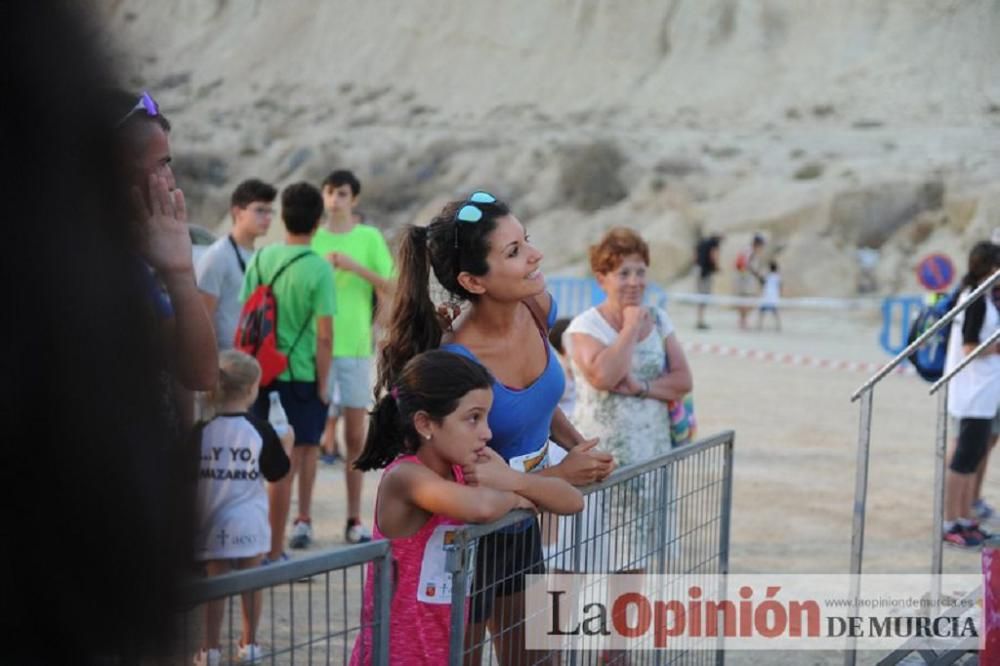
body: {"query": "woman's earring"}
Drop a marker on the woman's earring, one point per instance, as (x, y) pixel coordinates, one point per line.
(427, 437)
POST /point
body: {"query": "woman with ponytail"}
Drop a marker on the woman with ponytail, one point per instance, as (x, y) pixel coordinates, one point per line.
(479, 252)
(429, 432)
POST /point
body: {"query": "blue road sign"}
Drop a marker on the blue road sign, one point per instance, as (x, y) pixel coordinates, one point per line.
(936, 272)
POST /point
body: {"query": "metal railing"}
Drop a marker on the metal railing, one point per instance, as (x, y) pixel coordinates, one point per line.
(866, 393)
(301, 625)
(669, 514)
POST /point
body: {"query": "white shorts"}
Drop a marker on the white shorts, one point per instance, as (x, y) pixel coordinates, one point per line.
(350, 384)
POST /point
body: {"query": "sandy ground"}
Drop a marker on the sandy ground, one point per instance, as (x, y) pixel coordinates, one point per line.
(796, 438)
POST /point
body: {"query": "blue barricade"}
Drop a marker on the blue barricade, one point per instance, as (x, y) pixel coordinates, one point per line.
(898, 313)
(574, 295)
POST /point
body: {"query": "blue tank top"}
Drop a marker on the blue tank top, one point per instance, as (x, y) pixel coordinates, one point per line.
(520, 419)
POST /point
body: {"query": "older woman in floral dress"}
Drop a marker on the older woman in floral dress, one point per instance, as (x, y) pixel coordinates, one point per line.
(629, 364)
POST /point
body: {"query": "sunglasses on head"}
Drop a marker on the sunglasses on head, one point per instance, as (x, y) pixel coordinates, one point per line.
(470, 212)
(146, 103)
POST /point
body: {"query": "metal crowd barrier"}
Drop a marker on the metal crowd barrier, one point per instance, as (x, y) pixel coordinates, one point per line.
(311, 608)
(668, 515)
(865, 393)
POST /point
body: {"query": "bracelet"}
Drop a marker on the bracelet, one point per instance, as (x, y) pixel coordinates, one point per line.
(644, 391)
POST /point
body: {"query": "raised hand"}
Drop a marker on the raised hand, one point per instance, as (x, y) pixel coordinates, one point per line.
(343, 262)
(635, 317)
(492, 471)
(584, 464)
(166, 241)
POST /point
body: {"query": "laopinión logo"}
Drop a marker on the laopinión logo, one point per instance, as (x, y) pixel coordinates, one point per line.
(759, 611)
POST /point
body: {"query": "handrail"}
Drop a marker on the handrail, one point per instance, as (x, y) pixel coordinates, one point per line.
(277, 573)
(992, 340)
(919, 342)
(619, 476)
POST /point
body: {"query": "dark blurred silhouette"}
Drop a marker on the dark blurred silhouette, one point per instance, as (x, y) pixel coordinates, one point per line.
(96, 514)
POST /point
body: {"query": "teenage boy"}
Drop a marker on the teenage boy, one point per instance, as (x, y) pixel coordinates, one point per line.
(304, 293)
(221, 269)
(362, 268)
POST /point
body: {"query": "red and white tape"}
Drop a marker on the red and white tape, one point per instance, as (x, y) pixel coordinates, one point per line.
(785, 358)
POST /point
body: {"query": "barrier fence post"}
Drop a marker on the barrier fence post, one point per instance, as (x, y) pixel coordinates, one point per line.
(725, 513)
(457, 563)
(383, 597)
(663, 524)
(860, 500)
(940, 447)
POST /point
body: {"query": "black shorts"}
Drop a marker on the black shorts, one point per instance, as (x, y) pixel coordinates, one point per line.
(306, 412)
(973, 442)
(503, 559)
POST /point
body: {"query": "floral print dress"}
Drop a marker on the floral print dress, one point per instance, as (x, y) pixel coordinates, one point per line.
(621, 523)
(632, 429)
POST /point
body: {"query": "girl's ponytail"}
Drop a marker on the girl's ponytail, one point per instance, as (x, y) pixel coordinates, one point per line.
(433, 383)
(386, 439)
(414, 325)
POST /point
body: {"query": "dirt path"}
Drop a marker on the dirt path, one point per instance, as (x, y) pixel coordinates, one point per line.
(796, 434)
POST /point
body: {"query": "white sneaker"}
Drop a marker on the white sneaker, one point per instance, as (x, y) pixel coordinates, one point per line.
(357, 533)
(302, 534)
(210, 657)
(249, 654)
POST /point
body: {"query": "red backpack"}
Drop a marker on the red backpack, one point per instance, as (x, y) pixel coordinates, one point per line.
(257, 329)
(742, 260)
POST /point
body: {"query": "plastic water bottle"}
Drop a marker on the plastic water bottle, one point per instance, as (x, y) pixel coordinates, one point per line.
(276, 414)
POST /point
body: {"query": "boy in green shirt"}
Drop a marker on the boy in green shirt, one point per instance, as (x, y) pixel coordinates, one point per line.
(362, 269)
(306, 304)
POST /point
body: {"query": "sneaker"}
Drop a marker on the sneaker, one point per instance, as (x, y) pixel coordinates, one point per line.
(983, 510)
(281, 558)
(329, 458)
(962, 537)
(357, 533)
(302, 534)
(979, 532)
(210, 657)
(249, 654)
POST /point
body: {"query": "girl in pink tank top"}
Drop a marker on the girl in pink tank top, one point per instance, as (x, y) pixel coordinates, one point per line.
(430, 435)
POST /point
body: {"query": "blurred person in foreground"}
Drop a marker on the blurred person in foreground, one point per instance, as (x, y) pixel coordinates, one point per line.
(164, 246)
(97, 489)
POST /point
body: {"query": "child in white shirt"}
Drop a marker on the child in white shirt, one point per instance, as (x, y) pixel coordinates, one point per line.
(237, 453)
(770, 297)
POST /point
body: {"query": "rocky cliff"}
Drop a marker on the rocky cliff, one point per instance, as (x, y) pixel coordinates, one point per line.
(829, 126)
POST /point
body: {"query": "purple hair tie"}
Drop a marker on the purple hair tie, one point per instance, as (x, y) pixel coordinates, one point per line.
(394, 392)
